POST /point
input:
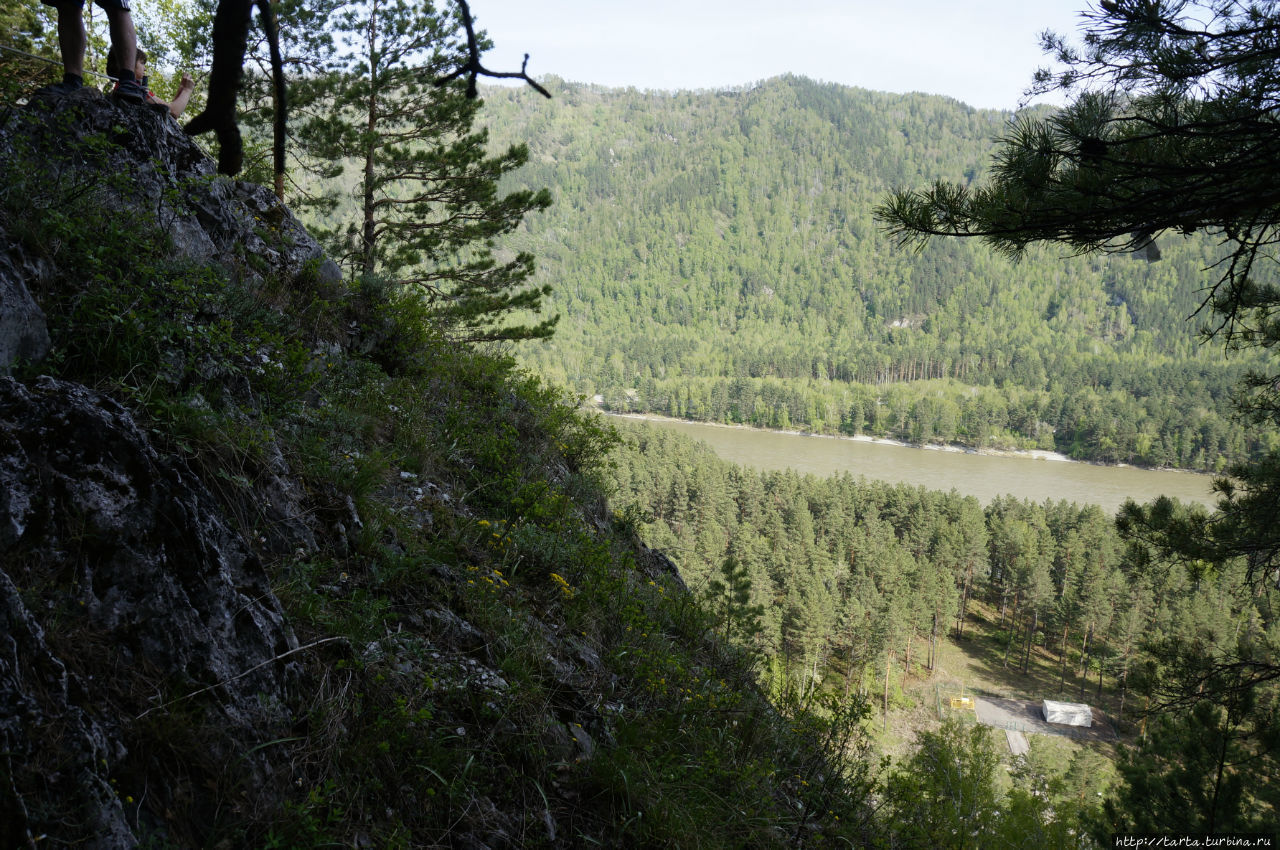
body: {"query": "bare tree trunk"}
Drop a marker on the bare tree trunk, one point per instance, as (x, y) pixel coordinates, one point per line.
(368, 234)
(1084, 663)
(888, 654)
(964, 601)
(1217, 779)
(1062, 681)
(1124, 688)
(933, 643)
(1009, 643)
(1031, 633)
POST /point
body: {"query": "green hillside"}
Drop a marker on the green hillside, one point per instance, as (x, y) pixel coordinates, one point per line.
(713, 256)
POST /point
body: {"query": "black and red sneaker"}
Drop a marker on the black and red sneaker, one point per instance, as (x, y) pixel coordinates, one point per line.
(129, 91)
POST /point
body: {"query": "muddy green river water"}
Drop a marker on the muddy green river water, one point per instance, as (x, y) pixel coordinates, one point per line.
(983, 476)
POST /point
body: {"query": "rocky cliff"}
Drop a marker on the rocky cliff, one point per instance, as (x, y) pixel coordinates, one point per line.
(126, 592)
(279, 566)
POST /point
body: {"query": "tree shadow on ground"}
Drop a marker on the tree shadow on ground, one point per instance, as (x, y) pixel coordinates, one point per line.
(983, 648)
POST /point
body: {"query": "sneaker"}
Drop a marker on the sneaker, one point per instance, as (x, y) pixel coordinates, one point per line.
(129, 91)
(70, 83)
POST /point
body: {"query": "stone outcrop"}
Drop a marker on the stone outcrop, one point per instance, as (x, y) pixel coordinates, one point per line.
(124, 547)
(125, 594)
(24, 336)
(159, 171)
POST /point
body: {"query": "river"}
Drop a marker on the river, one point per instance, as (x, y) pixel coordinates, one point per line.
(981, 475)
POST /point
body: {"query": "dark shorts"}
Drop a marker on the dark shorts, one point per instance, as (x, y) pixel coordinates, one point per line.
(79, 4)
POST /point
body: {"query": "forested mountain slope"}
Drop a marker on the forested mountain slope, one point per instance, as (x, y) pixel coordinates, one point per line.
(713, 256)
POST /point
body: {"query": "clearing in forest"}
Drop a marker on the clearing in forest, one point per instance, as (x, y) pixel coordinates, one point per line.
(1027, 716)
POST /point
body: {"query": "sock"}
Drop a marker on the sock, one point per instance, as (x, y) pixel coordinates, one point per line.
(71, 80)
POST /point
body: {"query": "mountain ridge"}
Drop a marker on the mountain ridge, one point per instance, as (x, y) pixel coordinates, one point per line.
(708, 249)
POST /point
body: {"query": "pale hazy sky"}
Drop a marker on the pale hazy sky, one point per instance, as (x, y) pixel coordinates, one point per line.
(981, 52)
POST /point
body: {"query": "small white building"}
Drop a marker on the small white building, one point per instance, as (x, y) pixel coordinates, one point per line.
(1068, 713)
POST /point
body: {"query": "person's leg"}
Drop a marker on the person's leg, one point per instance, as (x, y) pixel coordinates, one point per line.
(124, 41)
(71, 39)
(124, 49)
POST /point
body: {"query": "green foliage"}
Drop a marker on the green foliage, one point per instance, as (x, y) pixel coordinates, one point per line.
(901, 563)
(427, 209)
(853, 575)
(30, 27)
(1186, 775)
(309, 823)
(1170, 132)
(1170, 128)
(945, 796)
(729, 602)
(714, 257)
(163, 28)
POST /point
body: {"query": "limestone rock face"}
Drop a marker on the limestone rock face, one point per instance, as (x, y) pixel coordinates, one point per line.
(164, 172)
(161, 172)
(158, 570)
(123, 546)
(127, 597)
(23, 332)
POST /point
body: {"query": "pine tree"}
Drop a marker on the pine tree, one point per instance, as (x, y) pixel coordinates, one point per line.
(429, 209)
(945, 795)
(1173, 128)
(729, 600)
(1196, 772)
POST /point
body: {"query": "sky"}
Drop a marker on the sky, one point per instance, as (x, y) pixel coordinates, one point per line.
(980, 52)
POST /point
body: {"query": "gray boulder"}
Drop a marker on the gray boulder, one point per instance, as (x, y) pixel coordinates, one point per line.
(158, 171)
